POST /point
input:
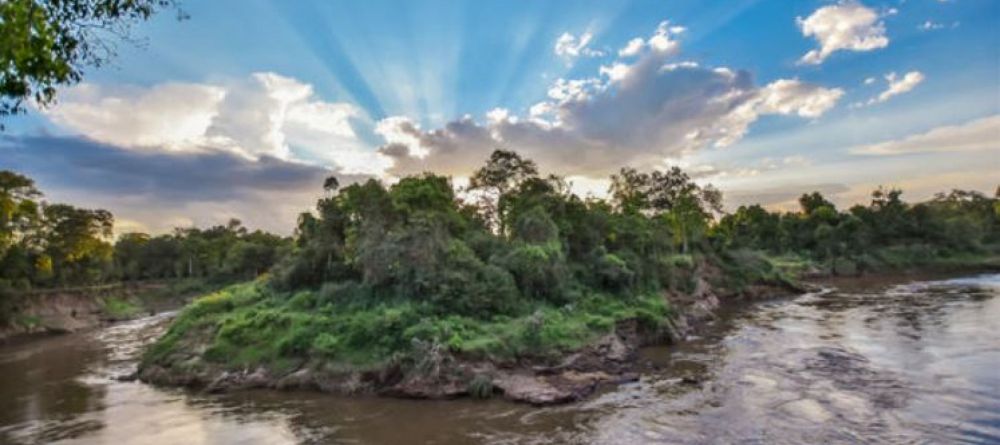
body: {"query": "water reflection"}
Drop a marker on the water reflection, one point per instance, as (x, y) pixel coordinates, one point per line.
(903, 364)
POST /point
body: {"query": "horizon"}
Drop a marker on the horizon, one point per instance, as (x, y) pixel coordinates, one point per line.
(239, 109)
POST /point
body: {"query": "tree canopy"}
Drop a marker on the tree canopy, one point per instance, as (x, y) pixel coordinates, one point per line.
(49, 245)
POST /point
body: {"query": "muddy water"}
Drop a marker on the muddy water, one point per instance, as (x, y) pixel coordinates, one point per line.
(869, 363)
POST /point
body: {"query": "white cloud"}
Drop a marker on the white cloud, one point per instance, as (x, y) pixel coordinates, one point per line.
(570, 47)
(980, 134)
(930, 26)
(900, 85)
(263, 115)
(616, 72)
(847, 25)
(632, 48)
(791, 96)
(895, 86)
(663, 41)
(498, 115)
(173, 116)
(636, 113)
(870, 80)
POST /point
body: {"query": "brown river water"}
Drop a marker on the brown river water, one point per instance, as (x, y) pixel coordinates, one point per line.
(866, 363)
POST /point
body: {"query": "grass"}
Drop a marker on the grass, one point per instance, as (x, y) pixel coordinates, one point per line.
(792, 265)
(888, 259)
(28, 321)
(119, 308)
(248, 325)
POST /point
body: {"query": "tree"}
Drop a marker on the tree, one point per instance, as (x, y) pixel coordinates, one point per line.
(76, 241)
(331, 184)
(810, 202)
(504, 170)
(630, 190)
(18, 207)
(48, 43)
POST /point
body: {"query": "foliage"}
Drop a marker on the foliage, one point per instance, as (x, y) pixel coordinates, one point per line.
(118, 308)
(50, 245)
(48, 43)
(46, 245)
(251, 324)
(383, 271)
(886, 233)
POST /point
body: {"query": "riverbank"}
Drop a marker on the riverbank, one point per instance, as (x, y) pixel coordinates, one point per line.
(249, 336)
(70, 310)
(829, 367)
(894, 261)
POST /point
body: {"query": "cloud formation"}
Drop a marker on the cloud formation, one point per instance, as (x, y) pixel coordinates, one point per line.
(899, 85)
(979, 134)
(156, 189)
(781, 198)
(570, 47)
(895, 86)
(265, 115)
(634, 113)
(929, 25)
(845, 26)
(169, 116)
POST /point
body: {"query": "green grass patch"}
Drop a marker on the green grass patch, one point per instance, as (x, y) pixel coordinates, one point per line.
(119, 308)
(249, 324)
(28, 321)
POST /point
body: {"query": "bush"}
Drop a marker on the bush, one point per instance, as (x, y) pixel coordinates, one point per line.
(844, 266)
(481, 386)
(613, 273)
(467, 286)
(119, 309)
(539, 270)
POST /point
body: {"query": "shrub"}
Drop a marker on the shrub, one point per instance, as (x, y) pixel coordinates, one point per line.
(613, 273)
(481, 386)
(539, 270)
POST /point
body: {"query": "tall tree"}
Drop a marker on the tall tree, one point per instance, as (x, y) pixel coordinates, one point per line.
(504, 171)
(18, 207)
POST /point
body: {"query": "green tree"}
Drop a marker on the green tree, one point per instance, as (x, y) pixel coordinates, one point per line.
(504, 171)
(19, 210)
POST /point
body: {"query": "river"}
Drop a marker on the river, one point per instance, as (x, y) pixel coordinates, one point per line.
(861, 363)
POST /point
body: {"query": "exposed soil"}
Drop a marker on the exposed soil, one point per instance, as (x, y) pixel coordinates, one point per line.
(64, 311)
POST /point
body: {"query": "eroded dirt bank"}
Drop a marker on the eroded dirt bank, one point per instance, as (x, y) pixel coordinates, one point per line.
(63, 311)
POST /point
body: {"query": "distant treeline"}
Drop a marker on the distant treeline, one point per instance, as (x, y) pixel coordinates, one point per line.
(522, 234)
(59, 245)
(888, 231)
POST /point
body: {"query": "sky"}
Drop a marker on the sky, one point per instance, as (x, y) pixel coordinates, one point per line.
(241, 110)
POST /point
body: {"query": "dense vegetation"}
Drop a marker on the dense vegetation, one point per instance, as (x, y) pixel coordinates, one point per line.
(45, 245)
(888, 233)
(519, 266)
(530, 269)
(513, 266)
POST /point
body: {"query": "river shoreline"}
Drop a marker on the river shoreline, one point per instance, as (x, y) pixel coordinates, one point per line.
(886, 360)
(610, 360)
(72, 311)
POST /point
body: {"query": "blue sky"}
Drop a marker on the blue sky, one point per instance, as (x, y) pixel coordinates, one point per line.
(292, 91)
